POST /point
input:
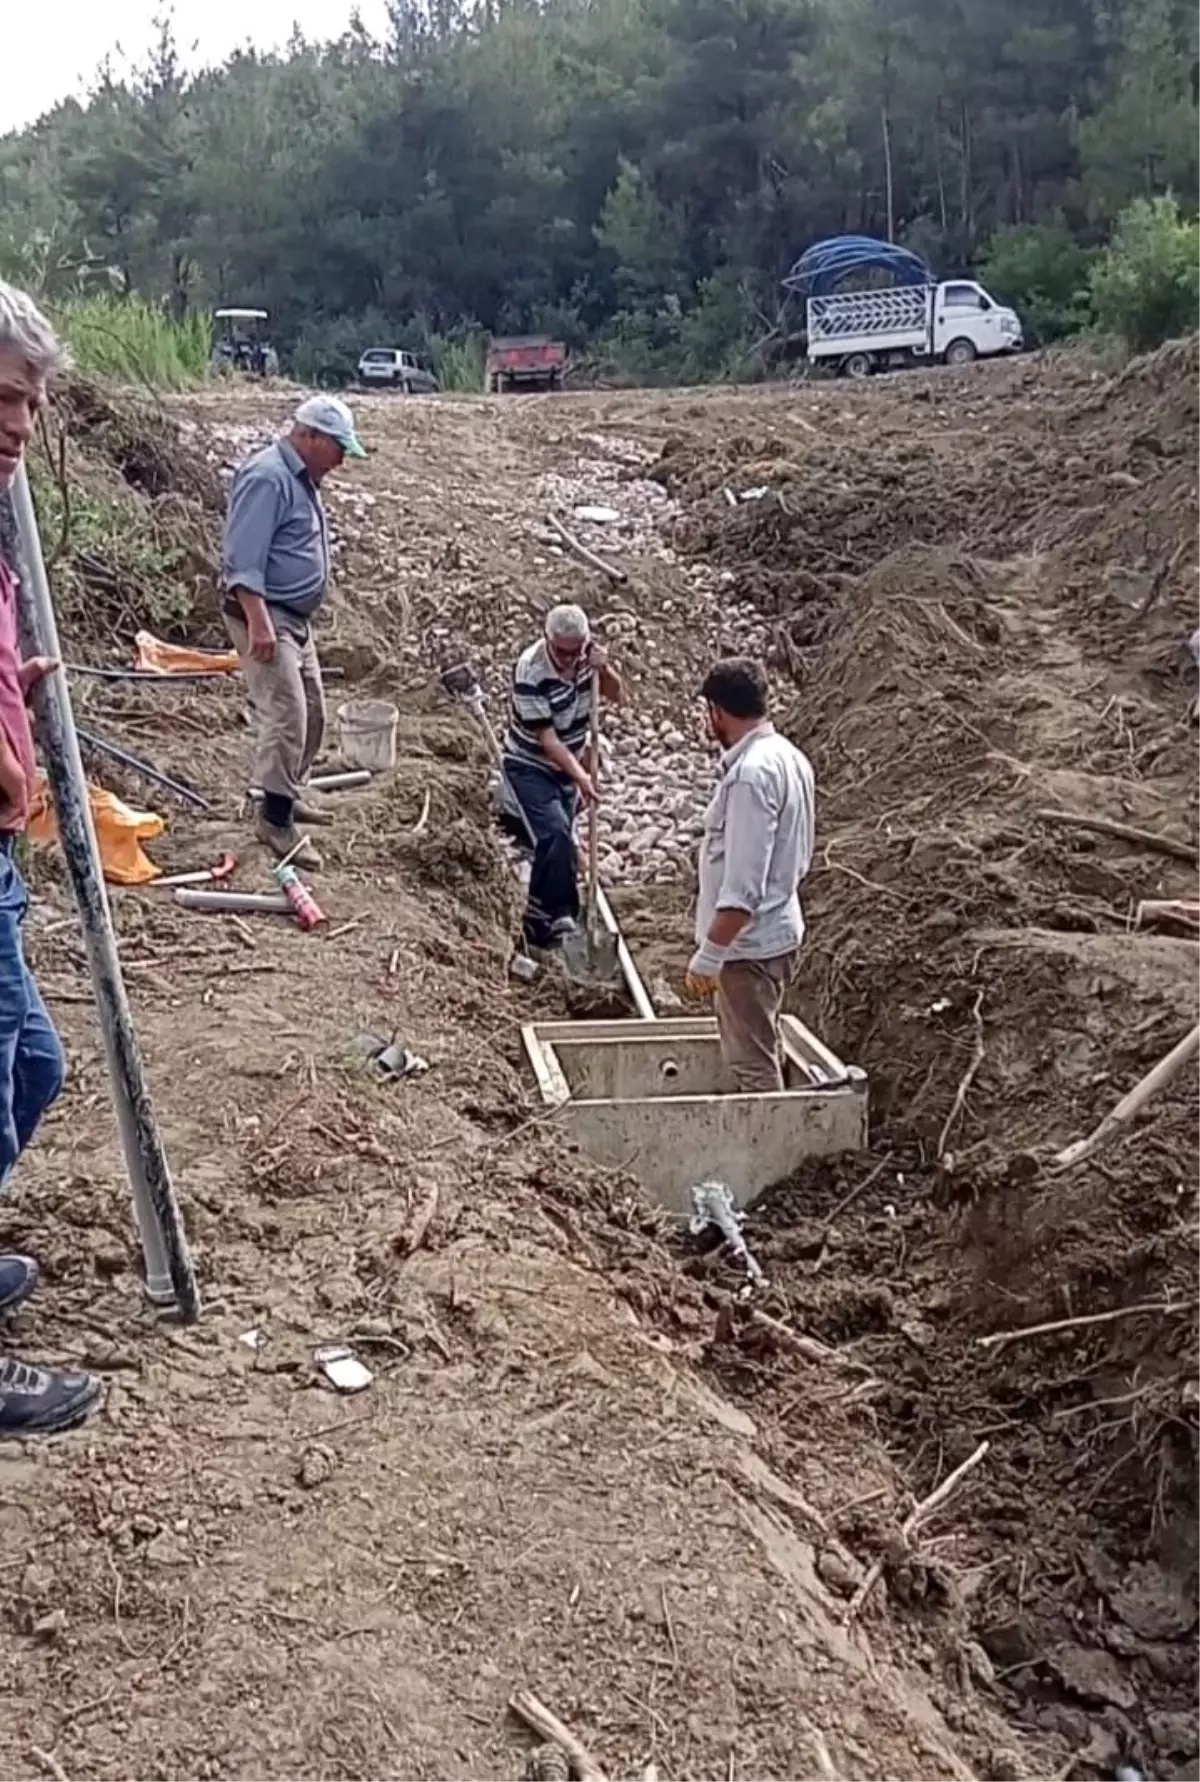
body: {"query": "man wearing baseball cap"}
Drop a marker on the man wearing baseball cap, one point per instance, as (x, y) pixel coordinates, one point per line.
(275, 568)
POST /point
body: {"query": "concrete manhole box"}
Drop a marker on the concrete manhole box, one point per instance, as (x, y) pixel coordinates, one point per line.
(653, 1097)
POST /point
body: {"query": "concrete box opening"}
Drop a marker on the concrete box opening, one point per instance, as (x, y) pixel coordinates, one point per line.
(655, 1098)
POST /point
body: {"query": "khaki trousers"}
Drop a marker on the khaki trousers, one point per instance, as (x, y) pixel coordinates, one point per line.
(289, 704)
(748, 1000)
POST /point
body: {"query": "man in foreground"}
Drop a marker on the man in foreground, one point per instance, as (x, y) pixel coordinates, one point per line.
(33, 1400)
(757, 847)
(546, 764)
(275, 568)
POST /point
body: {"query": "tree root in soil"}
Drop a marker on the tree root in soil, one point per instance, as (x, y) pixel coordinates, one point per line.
(526, 1706)
(912, 1524)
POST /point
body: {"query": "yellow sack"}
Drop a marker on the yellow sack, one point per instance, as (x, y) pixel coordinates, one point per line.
(119, 831)
(165, 658)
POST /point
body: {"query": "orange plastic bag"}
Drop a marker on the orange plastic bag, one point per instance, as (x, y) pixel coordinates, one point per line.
(165, 658)
(119, 832)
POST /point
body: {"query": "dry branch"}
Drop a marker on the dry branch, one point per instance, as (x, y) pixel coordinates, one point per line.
(967, 1078)
(1168, 568)
(808, 1348)
(528, 1708)
(999, 1337)
(859, 1188)
(47, 1761)
(912, 1523)
(413, 1235)
(1166, 909)
(1129, 1105)
(1144, 838)
(584, 555)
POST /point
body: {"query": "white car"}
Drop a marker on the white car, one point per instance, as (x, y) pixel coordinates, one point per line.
(390, 368)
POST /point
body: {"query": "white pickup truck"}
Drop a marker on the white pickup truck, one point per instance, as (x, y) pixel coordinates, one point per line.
(865, 331)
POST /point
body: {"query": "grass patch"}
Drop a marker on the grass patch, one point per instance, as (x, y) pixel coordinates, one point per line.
(127, 340)
(460, 360)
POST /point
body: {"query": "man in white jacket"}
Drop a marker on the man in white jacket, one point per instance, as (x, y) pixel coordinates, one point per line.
(756, 849)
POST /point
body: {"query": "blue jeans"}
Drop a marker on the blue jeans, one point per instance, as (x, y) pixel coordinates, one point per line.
(32, 1068)
(549, 804)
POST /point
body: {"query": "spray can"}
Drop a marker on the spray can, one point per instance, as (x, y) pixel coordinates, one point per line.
(305, 908)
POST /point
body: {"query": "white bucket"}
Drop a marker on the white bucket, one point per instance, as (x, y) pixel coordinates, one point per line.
(367, 733)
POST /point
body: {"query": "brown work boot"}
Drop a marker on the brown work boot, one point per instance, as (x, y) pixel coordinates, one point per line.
(283, 842)
(307, 810)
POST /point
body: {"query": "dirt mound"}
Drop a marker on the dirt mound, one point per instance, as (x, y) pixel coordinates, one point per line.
(536, 1491)
(793, 528)
(1101, 484)
(1154, 401)
(985, 627)
(129, 515)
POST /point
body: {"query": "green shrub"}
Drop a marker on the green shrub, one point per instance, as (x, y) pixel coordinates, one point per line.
(639, 346)
(1042, 271)
(327, 348)
(716, 331)
(1145, 287)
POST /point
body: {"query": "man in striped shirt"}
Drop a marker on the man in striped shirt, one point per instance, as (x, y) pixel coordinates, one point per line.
(547, 764)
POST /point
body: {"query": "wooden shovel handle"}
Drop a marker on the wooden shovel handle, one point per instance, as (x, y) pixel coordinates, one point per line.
(593, 833)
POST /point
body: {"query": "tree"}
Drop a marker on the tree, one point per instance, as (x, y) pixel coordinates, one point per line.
(1043, 272)
(1146, 284)
(649, 167)
(1141, 140)
(643, 238)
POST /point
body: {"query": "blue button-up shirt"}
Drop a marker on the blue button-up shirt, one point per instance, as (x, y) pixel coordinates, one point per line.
(276, 542)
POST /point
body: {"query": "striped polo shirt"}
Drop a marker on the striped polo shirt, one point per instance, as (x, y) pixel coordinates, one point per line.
(540, 698)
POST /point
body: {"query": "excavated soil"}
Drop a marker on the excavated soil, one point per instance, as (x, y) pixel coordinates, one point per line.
(586, 1466)
(964, 665)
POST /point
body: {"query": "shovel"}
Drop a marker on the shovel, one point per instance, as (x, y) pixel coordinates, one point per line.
(591, 955)
(462, 684)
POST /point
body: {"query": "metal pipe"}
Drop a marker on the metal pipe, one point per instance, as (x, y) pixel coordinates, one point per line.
(149, 674)
(170, 1279)
(272, 903)
(166, 676)
(340, 782)
(629, 971)
(137, 765)
(330, 782)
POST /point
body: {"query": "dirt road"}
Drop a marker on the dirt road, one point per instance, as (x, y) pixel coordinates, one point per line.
(575, 1472)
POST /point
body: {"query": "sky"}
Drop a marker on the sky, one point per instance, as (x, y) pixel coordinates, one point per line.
(52, 48)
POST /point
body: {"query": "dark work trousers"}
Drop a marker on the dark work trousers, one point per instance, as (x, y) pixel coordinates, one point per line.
(549, 803)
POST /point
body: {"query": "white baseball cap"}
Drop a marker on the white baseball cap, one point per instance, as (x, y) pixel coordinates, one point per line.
(329, 414)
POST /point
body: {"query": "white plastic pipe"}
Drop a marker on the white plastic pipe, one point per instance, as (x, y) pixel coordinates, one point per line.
(170, 1278)
(271, 903)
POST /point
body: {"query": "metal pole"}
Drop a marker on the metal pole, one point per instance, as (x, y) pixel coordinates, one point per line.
(170, 1279)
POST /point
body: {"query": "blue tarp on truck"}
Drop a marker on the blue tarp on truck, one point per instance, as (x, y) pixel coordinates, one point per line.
(821, 267)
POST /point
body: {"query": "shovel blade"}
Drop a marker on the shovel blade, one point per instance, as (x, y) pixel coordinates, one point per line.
(590, 956)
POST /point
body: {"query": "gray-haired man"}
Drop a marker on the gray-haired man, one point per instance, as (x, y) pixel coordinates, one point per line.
(550, 708)
(33, 1400)
(275, 566)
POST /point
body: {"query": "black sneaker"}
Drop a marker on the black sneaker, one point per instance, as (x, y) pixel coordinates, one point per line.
(41, 1401)
(18, 1278)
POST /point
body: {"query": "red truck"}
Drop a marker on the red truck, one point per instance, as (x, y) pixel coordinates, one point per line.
(525, 362)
